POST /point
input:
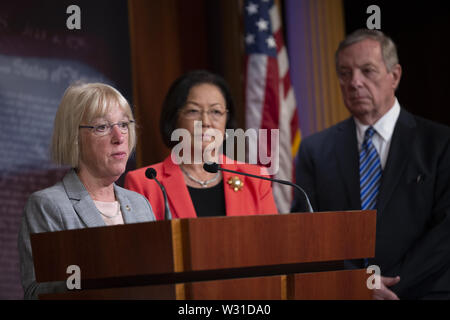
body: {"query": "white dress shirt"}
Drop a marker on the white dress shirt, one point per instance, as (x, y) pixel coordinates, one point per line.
(384, 128)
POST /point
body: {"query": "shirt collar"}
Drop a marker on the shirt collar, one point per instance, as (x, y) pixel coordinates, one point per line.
(384, 126)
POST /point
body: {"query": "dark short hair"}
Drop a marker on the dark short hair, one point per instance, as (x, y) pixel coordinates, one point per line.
(176, 99)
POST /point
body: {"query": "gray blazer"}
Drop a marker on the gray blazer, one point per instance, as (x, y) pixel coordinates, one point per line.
(64, 206)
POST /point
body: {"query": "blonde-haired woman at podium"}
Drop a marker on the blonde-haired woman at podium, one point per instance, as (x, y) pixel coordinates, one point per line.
(94, 134)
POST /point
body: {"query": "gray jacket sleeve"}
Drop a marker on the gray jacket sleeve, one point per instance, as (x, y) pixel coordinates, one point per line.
(40, 215)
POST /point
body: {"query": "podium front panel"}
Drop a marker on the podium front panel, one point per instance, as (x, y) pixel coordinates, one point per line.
(104, 252)
(264, 240)
(153, 292)
(204, 249)
(331, 285)
(259, 288)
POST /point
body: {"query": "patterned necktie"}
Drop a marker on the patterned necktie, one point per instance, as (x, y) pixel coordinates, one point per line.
(369, 175)
(369, 172)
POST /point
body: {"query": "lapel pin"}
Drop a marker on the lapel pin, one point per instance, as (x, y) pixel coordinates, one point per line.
(235, 183)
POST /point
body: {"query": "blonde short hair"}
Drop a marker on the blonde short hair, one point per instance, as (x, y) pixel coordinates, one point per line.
(83, 102)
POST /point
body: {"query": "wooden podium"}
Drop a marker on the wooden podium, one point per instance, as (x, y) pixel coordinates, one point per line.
(291, 256)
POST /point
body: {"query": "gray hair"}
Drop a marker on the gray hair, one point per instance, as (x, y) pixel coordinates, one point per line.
(388, 48)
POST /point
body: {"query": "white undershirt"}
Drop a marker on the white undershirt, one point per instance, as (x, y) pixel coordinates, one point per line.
(109, 212)
(384, 128)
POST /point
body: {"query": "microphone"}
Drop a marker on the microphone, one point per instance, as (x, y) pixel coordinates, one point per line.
(150, 173)
(213, 167)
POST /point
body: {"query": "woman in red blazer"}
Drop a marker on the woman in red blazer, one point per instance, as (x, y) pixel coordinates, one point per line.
(255, 197)
(199, 108)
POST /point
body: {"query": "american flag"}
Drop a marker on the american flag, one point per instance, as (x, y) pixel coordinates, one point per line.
(270, 99)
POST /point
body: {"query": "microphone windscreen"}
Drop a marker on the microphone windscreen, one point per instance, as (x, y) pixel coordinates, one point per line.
(211, 167)
(150, 173)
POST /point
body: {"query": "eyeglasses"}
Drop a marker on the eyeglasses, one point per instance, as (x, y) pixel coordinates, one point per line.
(214, 114)
(104, 129)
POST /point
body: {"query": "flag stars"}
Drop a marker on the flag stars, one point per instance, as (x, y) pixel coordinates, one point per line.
(258, 37)
(262, 24)
(271, 42)
(252, 8)
(250, 39)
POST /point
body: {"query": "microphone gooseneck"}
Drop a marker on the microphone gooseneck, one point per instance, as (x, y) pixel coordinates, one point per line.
(151, 173)
(213, 167)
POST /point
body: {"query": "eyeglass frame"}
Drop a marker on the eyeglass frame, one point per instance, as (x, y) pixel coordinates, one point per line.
(109, 126)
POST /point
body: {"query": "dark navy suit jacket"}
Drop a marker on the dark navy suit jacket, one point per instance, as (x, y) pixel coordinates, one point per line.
(413, 208)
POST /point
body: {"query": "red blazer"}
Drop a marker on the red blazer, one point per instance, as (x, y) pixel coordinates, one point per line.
(254, 198)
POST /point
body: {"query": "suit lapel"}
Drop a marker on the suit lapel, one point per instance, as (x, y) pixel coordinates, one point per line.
(177, 192)
(128, 213)
(82, 203)
(346, 149)
(402, 139)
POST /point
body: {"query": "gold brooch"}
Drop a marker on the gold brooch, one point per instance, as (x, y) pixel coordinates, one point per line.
(235, 183)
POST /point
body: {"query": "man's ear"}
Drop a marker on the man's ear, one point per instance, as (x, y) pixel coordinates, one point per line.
(396, 75)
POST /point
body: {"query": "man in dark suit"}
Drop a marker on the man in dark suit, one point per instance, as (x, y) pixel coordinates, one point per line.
(387, 159)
